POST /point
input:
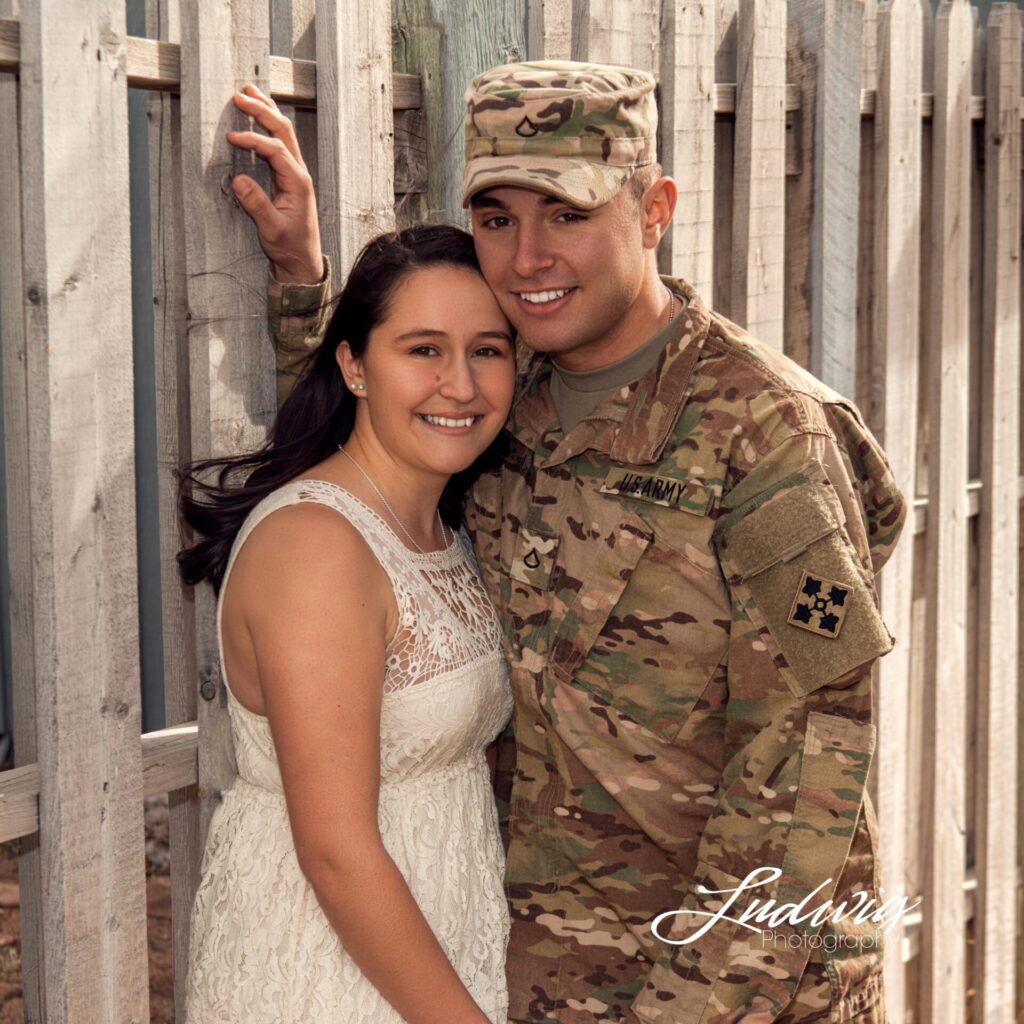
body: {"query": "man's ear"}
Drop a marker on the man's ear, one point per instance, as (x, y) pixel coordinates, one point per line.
(657, 206)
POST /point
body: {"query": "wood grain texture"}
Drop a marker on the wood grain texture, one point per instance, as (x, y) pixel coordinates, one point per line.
(831, 34)
(549, 30)
(447, 42)
(759, 169)
(357, 186)
(892, 414)
(687, 140)
(230, 358)
(293, 34)
(995, 963)
(77, 287)
(19, 524)
(947, 336)
(174, 448)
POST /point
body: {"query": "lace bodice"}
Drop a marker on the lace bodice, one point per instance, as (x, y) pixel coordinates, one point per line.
(261, 949)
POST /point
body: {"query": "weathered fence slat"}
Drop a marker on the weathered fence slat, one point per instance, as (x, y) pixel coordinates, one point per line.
(174, 448)
(602, 31)
(356, 200)
(549, 29)
(999, 583)
(645, 35)
(78, 329)
(687, 140)
(943, 975)
(230, 359)
(19, 496)
(893, 411)
(293, 34)
(759, 169)
(726, 17)
(831, 32)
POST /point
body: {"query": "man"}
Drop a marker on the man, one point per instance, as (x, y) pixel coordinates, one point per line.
(681, 544)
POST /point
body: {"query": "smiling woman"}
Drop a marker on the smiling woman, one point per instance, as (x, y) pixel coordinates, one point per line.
(353, 871)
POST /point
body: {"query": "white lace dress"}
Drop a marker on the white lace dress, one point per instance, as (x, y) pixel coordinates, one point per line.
(261, 949)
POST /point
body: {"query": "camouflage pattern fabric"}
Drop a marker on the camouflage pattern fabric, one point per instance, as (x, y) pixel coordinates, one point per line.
(297, 316)
(572, 130)
(673, 726)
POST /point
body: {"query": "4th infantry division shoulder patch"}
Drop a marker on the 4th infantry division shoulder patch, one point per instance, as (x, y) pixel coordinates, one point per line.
(819, 606)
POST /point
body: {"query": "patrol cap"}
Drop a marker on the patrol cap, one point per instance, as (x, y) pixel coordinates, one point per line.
(571, 130)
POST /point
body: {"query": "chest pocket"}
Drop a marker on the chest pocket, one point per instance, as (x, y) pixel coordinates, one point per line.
(583, 604)
(799, 581)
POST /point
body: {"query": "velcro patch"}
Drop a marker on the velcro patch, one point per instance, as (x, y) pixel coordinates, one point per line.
(820, 605)
(535, 557)
(689, 495)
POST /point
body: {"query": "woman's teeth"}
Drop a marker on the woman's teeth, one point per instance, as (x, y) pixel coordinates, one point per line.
(444, 421)
(538, 297)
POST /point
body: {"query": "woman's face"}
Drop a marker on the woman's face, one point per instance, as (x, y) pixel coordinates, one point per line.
(439, 371)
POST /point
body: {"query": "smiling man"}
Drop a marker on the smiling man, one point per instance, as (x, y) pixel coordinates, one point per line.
(681, 543)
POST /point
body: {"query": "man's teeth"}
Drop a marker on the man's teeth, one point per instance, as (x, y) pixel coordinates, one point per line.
(444, 421)
(537, 297)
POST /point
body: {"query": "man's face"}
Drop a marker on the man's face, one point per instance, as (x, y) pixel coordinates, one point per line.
(567, 279)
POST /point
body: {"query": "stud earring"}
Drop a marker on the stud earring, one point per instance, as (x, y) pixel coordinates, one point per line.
(358, 387)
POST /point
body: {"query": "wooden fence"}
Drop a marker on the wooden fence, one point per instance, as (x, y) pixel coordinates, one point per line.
(850, 180)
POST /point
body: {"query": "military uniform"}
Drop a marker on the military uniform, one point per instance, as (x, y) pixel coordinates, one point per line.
(686, 584)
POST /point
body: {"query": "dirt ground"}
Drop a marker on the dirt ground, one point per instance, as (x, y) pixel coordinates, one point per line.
(158, 893)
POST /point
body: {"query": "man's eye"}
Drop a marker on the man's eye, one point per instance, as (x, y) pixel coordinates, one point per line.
(571, 217)
(496, 222)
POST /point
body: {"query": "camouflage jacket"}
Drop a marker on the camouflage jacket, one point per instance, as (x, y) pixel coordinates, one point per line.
(686, 587)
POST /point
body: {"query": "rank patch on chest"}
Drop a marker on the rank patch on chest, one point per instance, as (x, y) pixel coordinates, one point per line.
(820, 605)
(688, 495)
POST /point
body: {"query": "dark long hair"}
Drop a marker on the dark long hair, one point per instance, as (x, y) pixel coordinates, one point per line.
(216, 495)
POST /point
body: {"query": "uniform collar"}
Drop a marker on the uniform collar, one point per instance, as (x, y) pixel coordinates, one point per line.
(632, 425)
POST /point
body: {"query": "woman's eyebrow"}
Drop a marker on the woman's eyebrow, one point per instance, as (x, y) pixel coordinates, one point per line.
(422, 332)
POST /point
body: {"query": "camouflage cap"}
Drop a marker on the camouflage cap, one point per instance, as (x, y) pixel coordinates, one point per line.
(571, 130)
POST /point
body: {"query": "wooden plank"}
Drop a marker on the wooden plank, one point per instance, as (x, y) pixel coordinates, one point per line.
(81, 471)
(999, 526)
(293, 34)
(19, 806)
(169, 762)
(945, 634)
(892, 413)
(646, 31)
(174, 447)
(759, 170)
(18, 486)
(801, 72)
(356, 196)
(687, 141)
(725, 12)
(549, 30)
(231, 361)
(435, 44)
(603, 31)
(831, 33)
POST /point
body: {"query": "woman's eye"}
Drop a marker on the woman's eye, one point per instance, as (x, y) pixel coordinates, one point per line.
(489, 351)
(423, 350)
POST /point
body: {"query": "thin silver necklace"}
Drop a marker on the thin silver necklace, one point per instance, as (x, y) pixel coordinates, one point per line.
(387, 505)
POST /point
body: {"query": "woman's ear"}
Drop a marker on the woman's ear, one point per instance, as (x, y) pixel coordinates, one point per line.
(351, 367)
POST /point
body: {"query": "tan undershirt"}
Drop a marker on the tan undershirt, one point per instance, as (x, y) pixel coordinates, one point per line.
(577, 393)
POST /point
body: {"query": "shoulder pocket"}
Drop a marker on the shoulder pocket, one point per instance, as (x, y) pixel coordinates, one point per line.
(795, 574)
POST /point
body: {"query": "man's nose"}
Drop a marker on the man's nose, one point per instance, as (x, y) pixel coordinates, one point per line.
(532, 253)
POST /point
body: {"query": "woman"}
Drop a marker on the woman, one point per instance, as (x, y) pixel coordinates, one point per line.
(353, 872)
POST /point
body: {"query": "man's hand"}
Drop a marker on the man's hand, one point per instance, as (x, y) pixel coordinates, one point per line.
(287, 224)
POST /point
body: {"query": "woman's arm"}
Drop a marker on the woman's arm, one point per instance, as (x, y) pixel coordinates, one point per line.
(319, 610)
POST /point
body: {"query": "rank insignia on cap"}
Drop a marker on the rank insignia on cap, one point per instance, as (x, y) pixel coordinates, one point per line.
(819, 606)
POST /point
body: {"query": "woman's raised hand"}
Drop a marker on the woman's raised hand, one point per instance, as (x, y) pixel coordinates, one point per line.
(287, 223)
